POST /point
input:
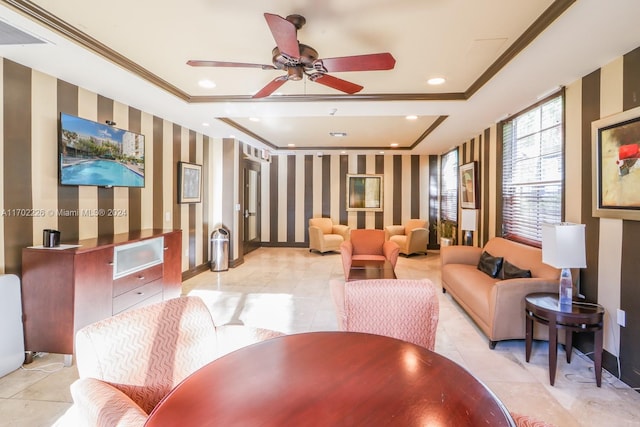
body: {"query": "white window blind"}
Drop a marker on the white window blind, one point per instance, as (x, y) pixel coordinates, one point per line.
(449, 186)
(532, 183)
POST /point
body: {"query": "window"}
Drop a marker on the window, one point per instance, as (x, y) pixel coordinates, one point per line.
(533, 159)
(449, 186)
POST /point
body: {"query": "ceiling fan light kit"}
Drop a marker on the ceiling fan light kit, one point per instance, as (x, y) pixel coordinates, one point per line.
(298, 60)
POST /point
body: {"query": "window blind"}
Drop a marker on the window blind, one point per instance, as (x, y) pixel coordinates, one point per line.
(449, 186)
(533, 162)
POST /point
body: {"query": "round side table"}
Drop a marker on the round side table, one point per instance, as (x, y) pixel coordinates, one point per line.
(579, 317)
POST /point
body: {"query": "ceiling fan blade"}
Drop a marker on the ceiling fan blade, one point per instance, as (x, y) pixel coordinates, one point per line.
(284, 33)
(271, 87)
(375, 61)
(335, 83)
(199, 63)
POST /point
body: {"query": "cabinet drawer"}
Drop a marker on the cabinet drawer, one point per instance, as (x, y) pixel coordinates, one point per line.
(135, 296)
(137, 279)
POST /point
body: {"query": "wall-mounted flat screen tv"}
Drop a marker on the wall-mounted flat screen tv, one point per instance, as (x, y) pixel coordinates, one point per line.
(97, 154)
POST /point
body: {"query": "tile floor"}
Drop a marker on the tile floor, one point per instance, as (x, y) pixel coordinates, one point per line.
(286, 289)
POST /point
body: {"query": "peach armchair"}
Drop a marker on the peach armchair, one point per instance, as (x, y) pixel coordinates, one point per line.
(367, 244)
(411, 237)
(325, 236)
(397, 308)
(129, 362)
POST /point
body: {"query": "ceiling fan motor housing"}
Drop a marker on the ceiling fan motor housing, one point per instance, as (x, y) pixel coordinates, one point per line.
(308, 56)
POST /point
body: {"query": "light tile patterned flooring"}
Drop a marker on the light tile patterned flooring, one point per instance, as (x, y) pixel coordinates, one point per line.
(287, 289)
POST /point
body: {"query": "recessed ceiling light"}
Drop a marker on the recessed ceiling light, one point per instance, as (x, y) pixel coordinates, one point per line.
(205, 124)
(254, 119)
(411, 117)
(207, 84)
(338, 134)
(291, 145)
(436, 81)
(394, 144)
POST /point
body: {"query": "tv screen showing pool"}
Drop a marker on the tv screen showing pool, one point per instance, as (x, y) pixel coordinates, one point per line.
(97, 154)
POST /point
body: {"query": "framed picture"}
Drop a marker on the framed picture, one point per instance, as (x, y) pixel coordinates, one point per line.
(189, 183)
(616, 166)
(364, 193)
(468, 186)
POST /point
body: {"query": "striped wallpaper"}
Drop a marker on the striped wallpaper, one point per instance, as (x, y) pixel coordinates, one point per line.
(297, 187)
(31, 104)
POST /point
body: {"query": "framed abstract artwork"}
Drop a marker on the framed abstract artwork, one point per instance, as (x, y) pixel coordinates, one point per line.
(616, 166)
(364, 192)
(189, 182)
(468, 186)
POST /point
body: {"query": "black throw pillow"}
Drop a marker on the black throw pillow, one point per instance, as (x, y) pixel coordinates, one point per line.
(489, 264)
(510, 271)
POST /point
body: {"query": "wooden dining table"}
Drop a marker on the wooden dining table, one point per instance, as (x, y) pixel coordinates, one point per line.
(331, 379)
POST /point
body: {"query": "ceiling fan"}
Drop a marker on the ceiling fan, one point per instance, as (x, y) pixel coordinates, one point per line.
(298, 59)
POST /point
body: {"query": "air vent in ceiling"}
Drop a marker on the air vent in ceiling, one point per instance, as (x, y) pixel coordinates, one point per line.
(11, 35)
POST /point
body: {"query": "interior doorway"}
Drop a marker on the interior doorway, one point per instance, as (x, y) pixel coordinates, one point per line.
(251, 205)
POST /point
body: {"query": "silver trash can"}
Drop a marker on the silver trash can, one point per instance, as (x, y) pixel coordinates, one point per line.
(220, 250)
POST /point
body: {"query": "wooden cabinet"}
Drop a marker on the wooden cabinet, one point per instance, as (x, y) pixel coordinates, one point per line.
(66, 289)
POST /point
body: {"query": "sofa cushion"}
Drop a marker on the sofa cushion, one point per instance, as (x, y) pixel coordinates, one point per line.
(471, 287)
(524, 256)
(489, 264)
(510, 271)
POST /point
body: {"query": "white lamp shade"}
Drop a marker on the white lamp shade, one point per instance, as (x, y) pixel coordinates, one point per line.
(469, 219)
(563, 245)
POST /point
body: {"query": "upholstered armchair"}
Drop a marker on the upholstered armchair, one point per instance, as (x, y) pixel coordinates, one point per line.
(411, 237)
(129, 362)
(397, 308)
(325, 236)
(368, 244)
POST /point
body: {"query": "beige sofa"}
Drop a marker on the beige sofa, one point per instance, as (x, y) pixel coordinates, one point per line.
(496, 304)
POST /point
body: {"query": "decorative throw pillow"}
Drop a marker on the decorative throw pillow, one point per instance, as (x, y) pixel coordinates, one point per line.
(489, 264)
(510, 271)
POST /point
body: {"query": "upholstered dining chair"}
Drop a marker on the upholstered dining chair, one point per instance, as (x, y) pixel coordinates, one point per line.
(368, 244)
(325, 236)
(397, 308)
(129, 362)
(412, 237)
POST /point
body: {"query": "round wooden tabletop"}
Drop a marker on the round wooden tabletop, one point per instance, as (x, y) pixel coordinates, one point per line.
(545, 304)
(331, 379)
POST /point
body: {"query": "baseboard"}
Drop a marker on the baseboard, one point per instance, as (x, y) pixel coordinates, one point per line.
(186, 275)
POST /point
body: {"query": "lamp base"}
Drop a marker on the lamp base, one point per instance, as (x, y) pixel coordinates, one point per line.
(468, 238)
(566, 288)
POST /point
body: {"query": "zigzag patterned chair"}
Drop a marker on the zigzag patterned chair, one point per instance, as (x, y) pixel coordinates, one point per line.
(129, 362)
(528, 421)
(397, 308)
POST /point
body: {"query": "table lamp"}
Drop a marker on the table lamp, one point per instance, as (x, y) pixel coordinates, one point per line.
(563, 247)
(468, 225)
